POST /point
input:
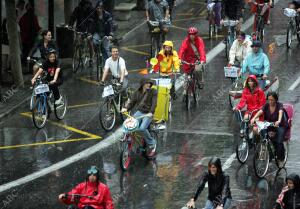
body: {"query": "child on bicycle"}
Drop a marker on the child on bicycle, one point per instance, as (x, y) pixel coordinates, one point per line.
(51, 67)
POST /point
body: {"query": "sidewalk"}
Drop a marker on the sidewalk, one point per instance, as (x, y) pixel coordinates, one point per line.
(14, 98)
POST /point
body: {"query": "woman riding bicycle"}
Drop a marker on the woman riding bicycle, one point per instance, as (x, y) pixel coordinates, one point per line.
(252, 97)
(51, 66)
(170, 57)
(273, 111)
(266, 14)
(43, 46)
(91, 194)
(219, 195)
(240, 48)
(217, 9)
(192, 49)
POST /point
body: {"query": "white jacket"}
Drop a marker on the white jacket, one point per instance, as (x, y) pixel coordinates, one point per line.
(239, 51)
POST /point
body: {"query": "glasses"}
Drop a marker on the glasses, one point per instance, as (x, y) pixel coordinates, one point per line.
(92, 171)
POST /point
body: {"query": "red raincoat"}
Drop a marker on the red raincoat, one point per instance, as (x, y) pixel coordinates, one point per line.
(186, 52)
(254, 100)
(102, 200)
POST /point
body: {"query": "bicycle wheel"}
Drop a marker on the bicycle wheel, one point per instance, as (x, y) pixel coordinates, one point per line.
(153, 46)
(99, 66)
(298, 32)
(107, 115)
(187, 101)
(196, 94)
(242, 150)
(85, 54)
(76, 58)
(125, 157)
(61, 109)
(261, 159)
(227, 48)
(289, 36)
(210, 30)
(286, 153)
(40, 112)
(261, 30)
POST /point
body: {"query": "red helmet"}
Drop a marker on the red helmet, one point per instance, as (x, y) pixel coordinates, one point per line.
(192, 30)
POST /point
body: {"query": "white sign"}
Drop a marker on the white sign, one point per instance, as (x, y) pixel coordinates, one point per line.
(42, 88)
(107, 91)
(164, 82)
(231, 72)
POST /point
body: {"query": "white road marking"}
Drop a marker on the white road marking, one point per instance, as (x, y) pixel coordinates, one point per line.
(228, 162)
(200, 132)
(295, 84)
(112, 138)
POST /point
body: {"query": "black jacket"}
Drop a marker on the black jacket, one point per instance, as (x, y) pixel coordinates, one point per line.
(218, 186)
(107, 23)
(43, 50)
(83, 15)
(291, 199)
(146, 102)
(232, 9)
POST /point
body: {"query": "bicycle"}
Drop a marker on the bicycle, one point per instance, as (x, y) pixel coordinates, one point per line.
(99, 56)
(157, 35)
(191, 84)
(246, 137)
(113, 103)
(232, 72)
(259, 21)
(133, 142)
(293, 28)
(231, 35)
(264, 149)
(42, 103)
(76, 198)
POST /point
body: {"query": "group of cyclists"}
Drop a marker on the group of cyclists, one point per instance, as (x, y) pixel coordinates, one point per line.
(244, 53)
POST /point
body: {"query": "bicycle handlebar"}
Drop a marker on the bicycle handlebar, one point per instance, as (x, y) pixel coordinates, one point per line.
(191, 64)
(78, 196)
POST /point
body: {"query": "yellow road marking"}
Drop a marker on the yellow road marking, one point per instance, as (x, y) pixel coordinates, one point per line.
(88, 80)
(180, 28)
(197, 2)
(184, 14)
(83, 105)
(135, 51)
(203, 13)
(69, 128)
(49, 143)
(191, 10)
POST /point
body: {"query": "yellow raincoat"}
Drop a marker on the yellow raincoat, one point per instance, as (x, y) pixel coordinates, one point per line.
(173, 62)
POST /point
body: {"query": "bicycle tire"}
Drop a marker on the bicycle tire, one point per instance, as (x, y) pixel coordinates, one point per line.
(153, 46)
(227, 48)
(286, 155)
(196, 94)
(125, 156)
(76, 61)
(99, 66)
(210, 31)
(187, 101)
(298, 33)
(41, 114)
(261, 155)
(105, 109)
(85, 54)
(242, 150)
(289, 36)
(60, 110)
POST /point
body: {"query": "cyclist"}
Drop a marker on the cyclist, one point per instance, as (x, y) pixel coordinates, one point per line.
(252, 97)
(217, 9)
(191, 50)
(169, 56)
(273, 111)
(145, 99)
(102, 26)
(292, 181)
(219, 195)
(99, 194)
(296, 6)
(51, 66)
(258, 64)
(158, 10)
(116, 65)
(43, 46)
(172, 4)
(240, 48)
(266, 14)
(232, 10)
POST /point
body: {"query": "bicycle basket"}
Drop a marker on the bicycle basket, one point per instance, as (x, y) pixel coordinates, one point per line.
(131, 124)
(42, 88)
(289, 12)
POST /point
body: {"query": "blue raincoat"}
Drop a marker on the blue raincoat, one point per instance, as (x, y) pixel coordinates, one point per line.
(256, 64)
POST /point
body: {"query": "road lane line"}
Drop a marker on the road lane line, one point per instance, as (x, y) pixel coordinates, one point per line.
(135, 51)
(83, 105)
(88, 80)
(228, 162)
(199, 132)
(48, 143)
(101, 145)
(294, 85)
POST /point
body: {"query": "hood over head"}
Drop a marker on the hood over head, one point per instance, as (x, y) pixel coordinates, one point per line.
(295, 179)
(144, 81)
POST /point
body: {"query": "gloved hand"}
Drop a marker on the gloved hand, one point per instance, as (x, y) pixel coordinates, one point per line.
(123, 110)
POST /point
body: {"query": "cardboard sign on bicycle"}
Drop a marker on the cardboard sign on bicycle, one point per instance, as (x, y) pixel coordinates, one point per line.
(42, 88)
(163, 82)
(107, 91)
(231, 72)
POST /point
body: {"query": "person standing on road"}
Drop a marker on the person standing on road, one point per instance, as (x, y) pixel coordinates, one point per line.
(257, 63)
(240, 48)
(145, 100)
(116, 65)
(219, 195)
(292, 181)
(192, 49)
(96, 195)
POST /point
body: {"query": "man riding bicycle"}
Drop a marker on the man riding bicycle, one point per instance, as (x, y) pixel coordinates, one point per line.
(116, 65)
(91, 194)
(145, 99)
(296, 6)
(240, 48)
(191, 50)
(257, 63)
(232, 10)
(170, 57)
(102, 26)
(158, 10)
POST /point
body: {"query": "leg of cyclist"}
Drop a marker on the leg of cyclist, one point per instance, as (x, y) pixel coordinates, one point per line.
(217, 11)
(105, 49)
(144, 124)
(227, 203)
(56, 94)
(267, 16)
(209, 205)
(278, 142)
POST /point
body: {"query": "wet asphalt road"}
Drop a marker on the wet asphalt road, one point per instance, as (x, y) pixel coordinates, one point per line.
(192, 137)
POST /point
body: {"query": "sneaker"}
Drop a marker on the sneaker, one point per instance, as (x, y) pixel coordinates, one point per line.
(161, 126)
(151, 150)
(59, 101)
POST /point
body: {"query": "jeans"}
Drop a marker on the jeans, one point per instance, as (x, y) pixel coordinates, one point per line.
(144, 124)
(104, 43)
(278, 142)
(210, 205)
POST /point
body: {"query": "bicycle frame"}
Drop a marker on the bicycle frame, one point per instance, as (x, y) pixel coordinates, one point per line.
(259, 20)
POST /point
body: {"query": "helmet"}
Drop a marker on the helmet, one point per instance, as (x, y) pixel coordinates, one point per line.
(168, 43)
(193, 30)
